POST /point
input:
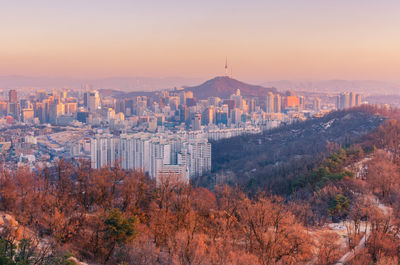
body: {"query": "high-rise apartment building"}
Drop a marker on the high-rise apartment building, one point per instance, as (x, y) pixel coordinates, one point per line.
(348, 100)
(317, 104)
(189, 154)
(277, 103)
(358, 100)
(103, 151)
(269, 102)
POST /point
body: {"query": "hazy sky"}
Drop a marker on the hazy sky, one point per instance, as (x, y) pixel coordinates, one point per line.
(264, 40)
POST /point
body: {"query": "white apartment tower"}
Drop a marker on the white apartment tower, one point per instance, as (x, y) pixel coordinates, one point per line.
(269, 103)
(154, 153)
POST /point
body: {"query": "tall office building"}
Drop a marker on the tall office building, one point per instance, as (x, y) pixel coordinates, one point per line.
(183, 113)
(302, 102)
(236, 116)
(85, 99)
(40, 111)
(252, 105)
(222, 117)
(28, 114)
(71, 108)
(93, 101)
(13, 107)
(238, 99)
(208, 116)
(12, 96)
(196, 122)
(57, 109)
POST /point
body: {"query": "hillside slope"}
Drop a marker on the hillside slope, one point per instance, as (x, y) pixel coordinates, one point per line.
(274, 157)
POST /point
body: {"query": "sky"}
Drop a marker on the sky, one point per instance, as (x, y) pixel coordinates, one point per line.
(263, 39)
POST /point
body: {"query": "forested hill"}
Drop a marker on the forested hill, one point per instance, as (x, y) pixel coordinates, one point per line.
(272, 159)
(224, 86)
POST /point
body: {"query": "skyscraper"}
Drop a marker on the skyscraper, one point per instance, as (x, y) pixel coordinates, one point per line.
(12, 96)
(93, 101)
(236, 116)
(277, 103)
(13, 107)
(209, 116)
(196, 122)
(269, 102)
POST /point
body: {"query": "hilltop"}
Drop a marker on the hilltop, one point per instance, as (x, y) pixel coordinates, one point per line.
(224, 86)
(221, 86)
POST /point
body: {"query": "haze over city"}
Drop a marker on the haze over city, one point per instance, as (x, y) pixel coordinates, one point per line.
(264, 40)
(199, 132)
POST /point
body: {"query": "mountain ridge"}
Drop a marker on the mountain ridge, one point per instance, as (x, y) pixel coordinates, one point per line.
(224, 86)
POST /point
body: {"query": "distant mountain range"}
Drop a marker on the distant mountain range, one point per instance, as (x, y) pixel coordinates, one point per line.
(117, 83)
(223, 87)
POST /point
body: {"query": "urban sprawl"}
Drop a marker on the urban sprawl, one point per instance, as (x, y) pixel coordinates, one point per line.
(166, 132)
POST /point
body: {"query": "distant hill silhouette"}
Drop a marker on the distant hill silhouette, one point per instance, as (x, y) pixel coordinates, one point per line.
(125, 95)
(223, 87)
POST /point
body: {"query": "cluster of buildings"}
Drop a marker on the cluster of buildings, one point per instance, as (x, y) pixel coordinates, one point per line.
(186, 154)
(161, 132)
(348, 100)
(158, 111)
(40, 108)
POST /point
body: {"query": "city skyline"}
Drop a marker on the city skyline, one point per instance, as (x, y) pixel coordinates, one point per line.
(263, 41)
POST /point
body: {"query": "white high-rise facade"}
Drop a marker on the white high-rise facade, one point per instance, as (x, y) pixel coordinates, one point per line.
(103, 151)
(269, 103)
(348, 100)
(93, 101)
(189, 154)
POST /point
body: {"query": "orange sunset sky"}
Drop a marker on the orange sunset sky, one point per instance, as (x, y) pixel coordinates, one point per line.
(264, 40)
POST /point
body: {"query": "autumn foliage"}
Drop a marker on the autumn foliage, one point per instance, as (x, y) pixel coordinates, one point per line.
(114, 216)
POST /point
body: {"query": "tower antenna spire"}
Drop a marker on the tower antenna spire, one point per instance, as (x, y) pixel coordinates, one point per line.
(226, 66)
